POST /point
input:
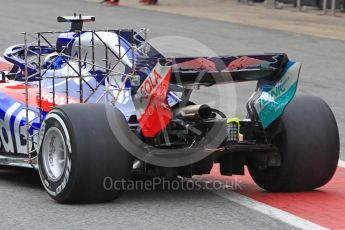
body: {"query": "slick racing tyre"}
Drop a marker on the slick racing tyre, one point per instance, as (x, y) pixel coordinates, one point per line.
(78, 151)
(308, 141)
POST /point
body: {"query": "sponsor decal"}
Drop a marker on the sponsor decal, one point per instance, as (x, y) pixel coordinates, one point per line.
(198, 63)
(270, 105)
(17, 92)
(65, 178)
(279, 89)
(14, 142)
(152, 109)
(247, 62)
(13, 120)
(47, 100)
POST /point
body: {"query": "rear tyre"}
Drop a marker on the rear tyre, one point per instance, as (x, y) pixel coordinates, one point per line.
(79, 157)
(308, 140)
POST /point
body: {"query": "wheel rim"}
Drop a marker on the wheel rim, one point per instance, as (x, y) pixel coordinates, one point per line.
(54, 154)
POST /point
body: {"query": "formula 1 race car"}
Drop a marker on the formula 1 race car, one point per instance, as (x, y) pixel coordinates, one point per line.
(84, 105)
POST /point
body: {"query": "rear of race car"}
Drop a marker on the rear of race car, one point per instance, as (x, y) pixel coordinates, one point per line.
(281, 140)
(288, 142)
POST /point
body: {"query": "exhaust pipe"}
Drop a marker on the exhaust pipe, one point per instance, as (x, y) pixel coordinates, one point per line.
(194, 111)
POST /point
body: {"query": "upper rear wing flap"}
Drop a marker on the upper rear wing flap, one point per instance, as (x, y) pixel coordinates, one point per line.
(208, 71)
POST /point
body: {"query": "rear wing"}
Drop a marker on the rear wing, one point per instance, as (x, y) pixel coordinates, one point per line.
(216, 70)
(277, 79)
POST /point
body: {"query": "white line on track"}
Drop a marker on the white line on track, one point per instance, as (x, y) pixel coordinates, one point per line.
(341, 163)
(262, 208)
(275, 213)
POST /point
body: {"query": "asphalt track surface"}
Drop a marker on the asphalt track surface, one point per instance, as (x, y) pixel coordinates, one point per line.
(24, 203)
